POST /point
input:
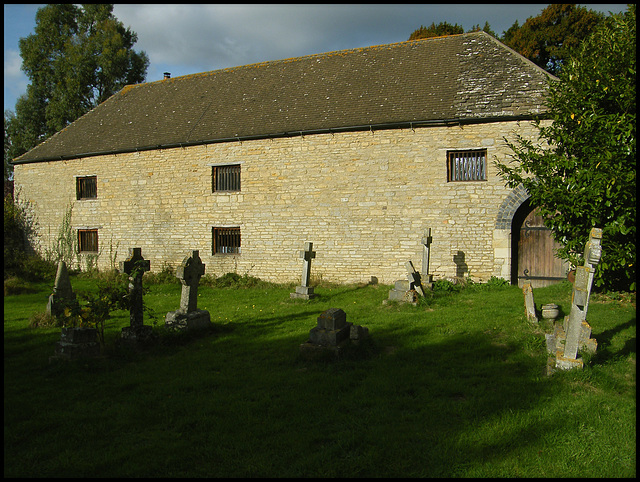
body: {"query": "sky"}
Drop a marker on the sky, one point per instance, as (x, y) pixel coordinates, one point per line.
(187, 39)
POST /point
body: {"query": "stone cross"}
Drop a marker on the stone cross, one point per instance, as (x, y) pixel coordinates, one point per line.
(426, 245)
(305, 291)
(580, 298)
(135, 266)
(189, 273)
(308, 254)
(414, 278)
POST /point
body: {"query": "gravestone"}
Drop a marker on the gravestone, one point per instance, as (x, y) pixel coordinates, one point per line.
(414, 278)
(331, 335)
(188, 316)
(576, 332)
(77, 343)
(529, 304)
(427, 279)
(407, 290)
(135, 266)
(63, 294)
(304, 291)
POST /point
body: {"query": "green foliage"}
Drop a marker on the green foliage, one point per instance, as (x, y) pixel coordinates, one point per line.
(20, 258)
(77, 57)
(443, 28)
(585, 175)
(233, 280)
(549, 39)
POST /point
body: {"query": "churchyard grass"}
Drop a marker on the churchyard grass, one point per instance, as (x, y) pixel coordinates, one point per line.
(453, 387)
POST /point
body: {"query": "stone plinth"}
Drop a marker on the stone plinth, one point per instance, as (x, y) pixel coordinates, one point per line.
(331, 335)
(190, 321)
(77, 343)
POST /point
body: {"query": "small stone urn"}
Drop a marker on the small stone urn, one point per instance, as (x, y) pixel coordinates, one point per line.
(550, 311)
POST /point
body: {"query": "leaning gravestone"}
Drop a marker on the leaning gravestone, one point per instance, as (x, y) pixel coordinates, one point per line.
(135, 266)
(304, 291)
(407, 290)
(576, 332)
(331, 334)
(63, 294)
(188, 316)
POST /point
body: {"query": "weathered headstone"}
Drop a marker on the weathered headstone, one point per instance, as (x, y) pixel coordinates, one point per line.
(304, 291)
(407, 290)
(135, 266)
(529, 304)
(576, 331)
(427, 279)
(188, 316)
(331, 334)
(63, 294)
(414, 278)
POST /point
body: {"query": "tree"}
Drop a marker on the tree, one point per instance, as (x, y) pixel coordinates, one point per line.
(585, 176)
(76, 58)
(443, 28)
(548, 39)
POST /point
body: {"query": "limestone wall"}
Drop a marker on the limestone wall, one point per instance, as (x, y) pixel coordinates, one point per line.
(362, 198)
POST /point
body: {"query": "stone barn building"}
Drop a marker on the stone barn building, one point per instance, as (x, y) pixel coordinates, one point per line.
(357, 151)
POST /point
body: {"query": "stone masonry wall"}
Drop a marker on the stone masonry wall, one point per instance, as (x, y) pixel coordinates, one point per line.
(362, 198)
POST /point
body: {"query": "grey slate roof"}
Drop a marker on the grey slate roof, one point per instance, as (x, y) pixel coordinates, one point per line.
(458, 78)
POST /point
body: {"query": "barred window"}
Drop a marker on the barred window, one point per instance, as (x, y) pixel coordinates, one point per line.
(88, 240)
(226, 240)
(86, 187)
(467, 165)
(225, 178)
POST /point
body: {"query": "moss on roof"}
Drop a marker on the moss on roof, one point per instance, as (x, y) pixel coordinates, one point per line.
(467, 77)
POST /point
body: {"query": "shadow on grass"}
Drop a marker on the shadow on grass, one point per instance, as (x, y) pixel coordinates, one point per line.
(240, 402)
(606, 351)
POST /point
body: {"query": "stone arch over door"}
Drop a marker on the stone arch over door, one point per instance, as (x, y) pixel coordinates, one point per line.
(502, 235)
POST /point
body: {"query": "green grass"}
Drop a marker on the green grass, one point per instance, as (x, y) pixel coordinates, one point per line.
(454, 387)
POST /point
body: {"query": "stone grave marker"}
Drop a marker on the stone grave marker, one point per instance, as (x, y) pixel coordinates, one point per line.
(529, 304)
(427, 279)
(77, 343)
(304, 291)
(188, 316)
(407, 290)
(63, 294)
(414, 278)
(331, 334)
(135, 266)
(576, 332)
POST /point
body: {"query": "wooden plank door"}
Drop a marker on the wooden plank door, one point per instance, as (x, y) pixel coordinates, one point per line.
(536, 261)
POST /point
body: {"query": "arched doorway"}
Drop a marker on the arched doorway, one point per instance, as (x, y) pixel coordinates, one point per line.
(533, 249)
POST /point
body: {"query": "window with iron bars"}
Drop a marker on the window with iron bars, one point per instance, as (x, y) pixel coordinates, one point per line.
(467, 165)
(225, 178)
(88, 240)
(86, 187)
(226, 240)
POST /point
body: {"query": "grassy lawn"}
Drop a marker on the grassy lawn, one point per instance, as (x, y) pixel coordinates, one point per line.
(451, 388)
